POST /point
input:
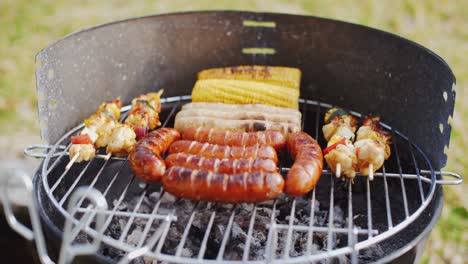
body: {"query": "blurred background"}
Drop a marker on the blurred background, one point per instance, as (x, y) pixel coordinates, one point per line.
(26, 27)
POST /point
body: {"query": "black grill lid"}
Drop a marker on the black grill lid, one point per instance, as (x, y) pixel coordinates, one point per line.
(353, 66)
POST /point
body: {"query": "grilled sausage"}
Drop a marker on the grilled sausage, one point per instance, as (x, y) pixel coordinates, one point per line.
(235, 138)
(247, 117)
(220, 165)
(223, 152)
(246, 124)
(308, 162)
(145, 159)
(204, 185)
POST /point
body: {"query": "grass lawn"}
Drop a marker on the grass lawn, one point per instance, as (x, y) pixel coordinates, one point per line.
(28, 26)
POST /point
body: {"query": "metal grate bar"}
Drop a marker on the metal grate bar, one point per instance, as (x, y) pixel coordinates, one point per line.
(387, 200)
(290, 230)
(123, 214)
(402, 182)
(170, 114)
(170, 216)
(90, 187)
(304, 112)
(58, 159)
(245, 255)
(122, 196)
(186, 231)
(321, 229)
(350, 212)
(227, 232)
(388, 175)
(62, 176)
(72, 187)
(331, 218)
(111, 215)
(317, 121)
(132, 217)
(271, 248)
(421, 191)
(201, 253)
(310, 235)
(165, 231)
(149, 223)
(369, 209)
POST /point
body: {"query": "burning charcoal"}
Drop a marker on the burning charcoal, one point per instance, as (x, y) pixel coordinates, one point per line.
(168, 198)
(154, 197)
(237, 231)
(338, 219)
(370, 253)
(134, 237)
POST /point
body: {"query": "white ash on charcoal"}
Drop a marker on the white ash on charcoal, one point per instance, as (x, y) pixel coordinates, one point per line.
(234, 250)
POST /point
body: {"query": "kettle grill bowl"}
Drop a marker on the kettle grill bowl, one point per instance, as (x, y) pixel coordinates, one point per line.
(343, 64)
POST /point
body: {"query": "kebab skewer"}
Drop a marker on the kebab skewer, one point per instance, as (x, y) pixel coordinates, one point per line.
(97, 131)
(143, 117)
(372, 146)
(339, 131)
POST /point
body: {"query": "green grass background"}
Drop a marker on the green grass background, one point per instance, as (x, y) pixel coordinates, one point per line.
(26, 27)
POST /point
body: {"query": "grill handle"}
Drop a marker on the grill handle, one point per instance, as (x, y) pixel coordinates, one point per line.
(36, 232)
(456, 179)
(68, 249)
(72, 227)
(40, 151)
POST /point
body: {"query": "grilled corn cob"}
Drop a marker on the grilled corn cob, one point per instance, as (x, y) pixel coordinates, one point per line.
(283, 76)
(244, 92)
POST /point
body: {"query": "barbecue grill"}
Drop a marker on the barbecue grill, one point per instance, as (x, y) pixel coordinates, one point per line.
(99, 211)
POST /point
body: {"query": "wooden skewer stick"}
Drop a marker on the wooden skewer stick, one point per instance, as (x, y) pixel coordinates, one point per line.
(338, 170)
(371, 171)
(70, 163)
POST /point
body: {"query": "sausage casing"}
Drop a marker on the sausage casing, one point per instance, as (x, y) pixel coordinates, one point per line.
(235, 138)
(230, 166)
(208, 150)
(308, 162)
(204, 185)
(145, 159)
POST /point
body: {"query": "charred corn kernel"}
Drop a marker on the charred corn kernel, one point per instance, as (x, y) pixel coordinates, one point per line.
(244, 92)
(283, 76)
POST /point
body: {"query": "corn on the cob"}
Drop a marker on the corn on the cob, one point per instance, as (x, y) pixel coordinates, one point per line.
(244, 92)
(283, 76)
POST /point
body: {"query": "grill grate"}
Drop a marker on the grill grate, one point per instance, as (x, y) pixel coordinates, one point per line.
(361, 222)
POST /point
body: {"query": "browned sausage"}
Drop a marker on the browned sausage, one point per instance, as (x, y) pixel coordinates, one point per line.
(145, 159)
(235, 138)
(223, 152)
(219, 187)
(220, 165)
(308, 162)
